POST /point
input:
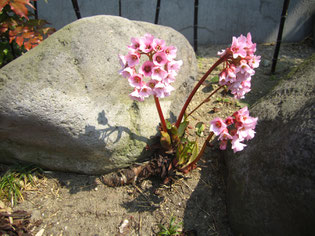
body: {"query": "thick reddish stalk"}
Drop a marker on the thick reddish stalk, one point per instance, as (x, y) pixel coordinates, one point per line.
(206, 100)
(180, 117)
(158, 107)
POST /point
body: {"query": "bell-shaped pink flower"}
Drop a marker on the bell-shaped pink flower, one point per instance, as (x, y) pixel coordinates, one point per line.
(170, 52)
(158, 45)
(158, 73)
(174, 66)
(146, 43)
(132, 59)
(254, 61)
(145, 91)
(217, 125)
(127, 72)
(238, 47)
(135, 44)
(136, 96)
(159, 59)
(146, 68)
(136, 81)
(237, 145)
(122, 61)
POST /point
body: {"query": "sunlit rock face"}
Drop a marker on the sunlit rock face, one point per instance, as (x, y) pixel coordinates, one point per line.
(64, 106)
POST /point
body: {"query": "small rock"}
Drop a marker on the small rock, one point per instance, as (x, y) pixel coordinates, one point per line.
(266, 63)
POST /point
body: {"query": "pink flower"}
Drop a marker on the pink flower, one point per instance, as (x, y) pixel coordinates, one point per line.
(162, 90)
(145, 91)
(136, 81)
(238, 47)
(250, 46)
(135, 44)
(136, 96)
(127, 72)
(170, 52)
(245, 68)
(237, 145)
(217, 126)
(254, 61)
(174, 66)
(169, 79)
(122, 61)
(224, 135)
(245, 133)
(152, 83)
(229, 121)
(158, 73)
(159, 59)
(223, 144)
(160, 67)
(146, 68)
(132, 59)
(146, 43)
(240, 114)
(158, 45)
(240, 65)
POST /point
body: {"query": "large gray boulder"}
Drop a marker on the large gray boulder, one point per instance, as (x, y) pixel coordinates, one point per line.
(64, 106)
(271, 184)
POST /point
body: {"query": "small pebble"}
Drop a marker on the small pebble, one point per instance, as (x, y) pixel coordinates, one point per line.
(266, 63)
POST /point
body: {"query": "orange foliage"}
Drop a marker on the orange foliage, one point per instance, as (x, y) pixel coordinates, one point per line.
(28, 33)
(18, 6)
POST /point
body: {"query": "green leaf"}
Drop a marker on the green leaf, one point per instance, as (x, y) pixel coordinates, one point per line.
(194, 154)
(168, 125)
(173, 130)
(165, 140)
(199, 128)
(215, 79)
(182, 127)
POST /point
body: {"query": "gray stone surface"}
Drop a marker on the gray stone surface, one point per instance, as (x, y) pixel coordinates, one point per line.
(271, 184)
(64, 106)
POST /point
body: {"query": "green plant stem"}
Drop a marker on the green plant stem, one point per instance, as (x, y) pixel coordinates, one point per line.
(218, 62)
(158, 107)
(201, 152)
(206, 100)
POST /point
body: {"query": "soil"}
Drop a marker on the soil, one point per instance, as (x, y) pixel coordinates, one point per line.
(72, 204)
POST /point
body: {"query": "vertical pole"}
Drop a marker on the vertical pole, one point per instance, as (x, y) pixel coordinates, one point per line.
(119, 7)
(35, 10)
(76, 8)
(196, 26)
(282, 20)
(157, 12)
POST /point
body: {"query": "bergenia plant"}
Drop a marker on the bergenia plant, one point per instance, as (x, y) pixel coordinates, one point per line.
(159, 70)
(155, 75)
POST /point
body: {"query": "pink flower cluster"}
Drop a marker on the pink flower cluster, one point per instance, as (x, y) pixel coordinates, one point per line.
(240, 65)
(160, 68)
(237, 128)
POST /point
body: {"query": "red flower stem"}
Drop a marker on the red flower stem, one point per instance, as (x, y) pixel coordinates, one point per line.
(218, 62)
(206, 100)
(200, 153)
(158, 107)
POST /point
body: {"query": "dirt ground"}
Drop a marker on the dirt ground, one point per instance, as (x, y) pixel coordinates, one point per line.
(72, 204)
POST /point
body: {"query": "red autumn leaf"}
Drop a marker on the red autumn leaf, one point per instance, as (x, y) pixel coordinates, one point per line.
(4, 27)
(3, 3)
(28, 35)
(18, 6)
(19, 40)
